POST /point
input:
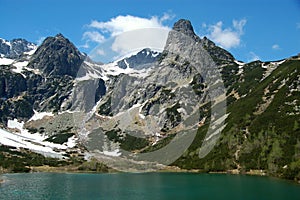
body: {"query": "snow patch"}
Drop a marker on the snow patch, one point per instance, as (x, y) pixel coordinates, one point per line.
(126, 63)
(158, 136)
(15, 124)
(71, 142)
(270, 67)
(182, 111)
(20, 141)
(19, 67)
(114, 153)
(239, 63)
(40, 115)
(6, 61)
(36, 71)
(30, 53)
(21, 64)
(89, 76)
(241, 67)
(114, 70)
(103, 71)
(94, 71)
(140, 110)
(142, 116)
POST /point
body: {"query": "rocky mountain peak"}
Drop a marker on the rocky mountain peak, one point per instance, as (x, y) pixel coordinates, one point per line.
(60, 35)
(56, 42)
(184, 34)
(184, 26)
(57, 56)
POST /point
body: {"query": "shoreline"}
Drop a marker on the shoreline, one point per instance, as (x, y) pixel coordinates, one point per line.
(65, 169)
(252, 172)
(168, 169)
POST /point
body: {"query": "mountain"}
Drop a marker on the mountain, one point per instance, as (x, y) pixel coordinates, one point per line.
(42, 82)
(141, 60)
(15, 48)
(57, 56)
(192, 106)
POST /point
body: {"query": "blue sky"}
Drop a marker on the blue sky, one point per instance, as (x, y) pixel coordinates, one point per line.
(256, 29)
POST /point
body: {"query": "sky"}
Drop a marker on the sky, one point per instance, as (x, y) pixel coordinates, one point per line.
(251, 30)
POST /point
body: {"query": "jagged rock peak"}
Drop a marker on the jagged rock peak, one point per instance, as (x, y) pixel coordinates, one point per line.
(185, 30)
(184, 26)
(59, 38)
(57, 56)
(60, 35)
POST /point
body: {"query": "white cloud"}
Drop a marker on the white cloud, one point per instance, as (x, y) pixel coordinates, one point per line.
(166, 17)
(239, 25)
(253, 57)
(93, 36)
(129, 33)
(121, 24)
(227, 37)
(298, 25)
(136, 40)
(275, 47)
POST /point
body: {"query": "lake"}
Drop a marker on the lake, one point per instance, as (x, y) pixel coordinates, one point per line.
(144, 186)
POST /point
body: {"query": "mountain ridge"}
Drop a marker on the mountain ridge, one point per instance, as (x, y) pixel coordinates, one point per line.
(14, 48)
(261, 97)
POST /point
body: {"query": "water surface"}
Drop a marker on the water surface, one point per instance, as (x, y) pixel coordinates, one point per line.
(144, 186)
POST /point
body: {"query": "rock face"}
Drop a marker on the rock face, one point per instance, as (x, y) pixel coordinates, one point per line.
(57, 56)
(11, 84)
(15, 48)
(13, 102)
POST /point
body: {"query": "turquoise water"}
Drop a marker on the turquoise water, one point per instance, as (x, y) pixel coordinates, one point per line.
(144, 186)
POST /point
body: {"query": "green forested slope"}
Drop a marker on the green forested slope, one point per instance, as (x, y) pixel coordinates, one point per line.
(262, 130)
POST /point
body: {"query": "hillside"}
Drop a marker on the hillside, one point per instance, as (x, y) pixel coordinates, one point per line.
(262, 131)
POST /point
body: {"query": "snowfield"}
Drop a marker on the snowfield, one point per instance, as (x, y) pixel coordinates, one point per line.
(34, 142)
